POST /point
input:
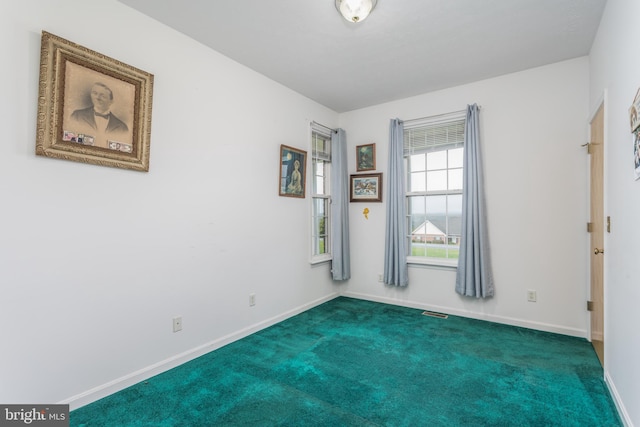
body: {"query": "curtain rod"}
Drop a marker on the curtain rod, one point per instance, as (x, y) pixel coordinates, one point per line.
(437, 116)
(313, 122)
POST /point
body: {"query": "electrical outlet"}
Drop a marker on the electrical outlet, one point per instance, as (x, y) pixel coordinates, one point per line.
(177, 324)
(252, 300)
(380, 278)
(531, 295)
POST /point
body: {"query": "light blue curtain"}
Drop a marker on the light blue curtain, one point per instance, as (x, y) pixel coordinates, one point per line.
(474, 277)
(396, 271)
(341, 259)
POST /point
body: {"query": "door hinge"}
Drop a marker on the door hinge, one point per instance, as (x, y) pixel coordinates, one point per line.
(589, 227)
(589, 146)
(589, 305)
(608, 224)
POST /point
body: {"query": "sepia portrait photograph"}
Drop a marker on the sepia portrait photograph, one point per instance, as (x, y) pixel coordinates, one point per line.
(98, 109)
(92, 108)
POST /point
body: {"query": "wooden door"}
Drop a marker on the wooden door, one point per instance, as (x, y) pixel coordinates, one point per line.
(596, 150)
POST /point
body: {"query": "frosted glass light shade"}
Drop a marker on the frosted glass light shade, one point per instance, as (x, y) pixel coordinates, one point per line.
(355, 10)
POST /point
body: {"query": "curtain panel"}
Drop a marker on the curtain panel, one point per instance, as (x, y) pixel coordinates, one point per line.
(474, 277)
(341, 259)
(396, 271)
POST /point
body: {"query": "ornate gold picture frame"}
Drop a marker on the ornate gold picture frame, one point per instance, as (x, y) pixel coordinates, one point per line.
(92, 108)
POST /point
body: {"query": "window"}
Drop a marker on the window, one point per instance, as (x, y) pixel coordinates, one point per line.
(320, 195)
(433, 152)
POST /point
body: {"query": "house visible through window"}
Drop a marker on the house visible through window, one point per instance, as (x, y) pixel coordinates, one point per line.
(433, 152)
(320, 195)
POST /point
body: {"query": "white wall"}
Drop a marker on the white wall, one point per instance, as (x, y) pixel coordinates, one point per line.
(615, 77)
(532, 125)
(95, 262)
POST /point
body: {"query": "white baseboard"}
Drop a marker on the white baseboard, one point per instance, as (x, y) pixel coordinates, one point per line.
(121, 383)
(622, 410)
(574, 332)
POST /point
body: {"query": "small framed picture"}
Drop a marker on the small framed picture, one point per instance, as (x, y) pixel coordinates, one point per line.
(636, 153)
(292, 172)
(366, 157)
(366, 187)
(634, 113)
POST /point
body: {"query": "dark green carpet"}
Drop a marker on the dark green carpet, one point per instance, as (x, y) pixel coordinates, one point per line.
(358, 363)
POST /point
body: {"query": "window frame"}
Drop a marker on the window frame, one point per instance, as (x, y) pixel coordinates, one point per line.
(447, 263)
(325, 196)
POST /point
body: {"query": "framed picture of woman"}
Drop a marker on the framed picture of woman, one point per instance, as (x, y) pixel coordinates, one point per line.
(293, 170)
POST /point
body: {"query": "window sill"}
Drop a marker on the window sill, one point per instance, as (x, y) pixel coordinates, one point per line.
(320, 259)
(433, 262)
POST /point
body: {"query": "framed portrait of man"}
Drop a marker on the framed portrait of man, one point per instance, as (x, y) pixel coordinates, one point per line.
(92, 108)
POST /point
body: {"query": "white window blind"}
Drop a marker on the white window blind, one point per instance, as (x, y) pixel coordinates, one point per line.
(426, 137)
(321, 146)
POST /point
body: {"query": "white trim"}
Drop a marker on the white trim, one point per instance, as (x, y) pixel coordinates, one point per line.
(433, 262)
(328, 255)
(321, 129)
(319, 259)
(587, 313)
(435, 119)
(622, 410)
(601, 103)
(128, 380)
(540, 326)
(594, 109)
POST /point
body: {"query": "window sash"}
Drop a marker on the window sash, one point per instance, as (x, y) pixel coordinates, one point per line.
(320, 226)
(433, 181)
(321, 159)
(423, 177)
(321, 146)
(321, 196)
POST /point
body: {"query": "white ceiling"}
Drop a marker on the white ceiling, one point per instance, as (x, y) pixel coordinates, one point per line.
(404, 48)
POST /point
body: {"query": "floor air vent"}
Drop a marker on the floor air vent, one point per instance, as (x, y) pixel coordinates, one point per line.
(434, 314)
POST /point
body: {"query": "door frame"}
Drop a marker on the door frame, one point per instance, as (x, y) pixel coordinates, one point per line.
(601, 102)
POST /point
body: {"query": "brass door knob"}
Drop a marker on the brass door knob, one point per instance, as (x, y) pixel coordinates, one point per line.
(597, 251)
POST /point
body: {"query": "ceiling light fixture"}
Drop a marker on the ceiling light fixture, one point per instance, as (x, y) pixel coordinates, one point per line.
(355, 10)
